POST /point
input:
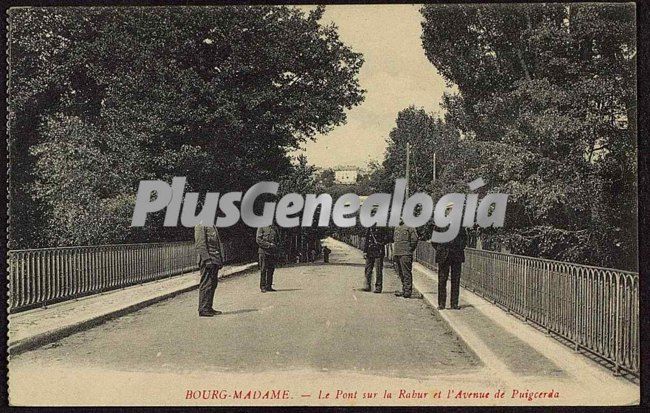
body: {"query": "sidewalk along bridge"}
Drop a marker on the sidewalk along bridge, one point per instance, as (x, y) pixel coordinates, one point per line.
(39, 277)
(589, 308)
(593, 309)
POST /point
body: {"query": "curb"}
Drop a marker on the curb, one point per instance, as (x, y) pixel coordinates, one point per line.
(469, 341)
(30, 343)
(473, 344)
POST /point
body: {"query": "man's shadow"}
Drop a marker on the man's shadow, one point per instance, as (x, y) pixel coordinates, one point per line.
(461, 306)
(346, 264)
(245, 310)
(318, 264)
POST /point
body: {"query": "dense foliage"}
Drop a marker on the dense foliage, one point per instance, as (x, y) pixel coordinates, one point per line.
(547, 101)
(427, 135)
(101, 98)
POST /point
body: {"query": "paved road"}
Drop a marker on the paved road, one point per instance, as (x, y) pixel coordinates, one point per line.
(318, 333)
(318, 320)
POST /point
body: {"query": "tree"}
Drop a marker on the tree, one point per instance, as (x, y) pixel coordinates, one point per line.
(426, 134)
(547, 91)
(326, 179)
(301, 178)
(219, 95)
(88, 182)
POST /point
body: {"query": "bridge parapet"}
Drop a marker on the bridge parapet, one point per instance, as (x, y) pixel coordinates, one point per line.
(38, 277)
(593, 308)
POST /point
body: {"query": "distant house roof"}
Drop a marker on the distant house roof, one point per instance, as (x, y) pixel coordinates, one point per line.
(346, 168)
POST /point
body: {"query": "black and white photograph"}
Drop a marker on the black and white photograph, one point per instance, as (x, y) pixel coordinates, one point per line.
(334, 205)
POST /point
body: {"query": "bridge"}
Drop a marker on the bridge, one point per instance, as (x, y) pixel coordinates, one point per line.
(546, 332)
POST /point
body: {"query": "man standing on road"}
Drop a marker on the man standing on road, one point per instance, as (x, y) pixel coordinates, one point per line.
(326, 254)
(373, 252)
(208, 247)
(405, 241)
(268, 239)
(450, 256)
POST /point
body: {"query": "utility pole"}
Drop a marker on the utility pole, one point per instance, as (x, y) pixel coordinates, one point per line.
(408, 169)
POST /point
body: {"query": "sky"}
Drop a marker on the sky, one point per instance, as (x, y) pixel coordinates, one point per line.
(395, 74)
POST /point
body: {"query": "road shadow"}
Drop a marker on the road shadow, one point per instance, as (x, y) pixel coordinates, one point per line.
(318, 264)
(279, 290)
(361, 290)
(414, 296)
(245, 310)
(460, 307)
(346, 264)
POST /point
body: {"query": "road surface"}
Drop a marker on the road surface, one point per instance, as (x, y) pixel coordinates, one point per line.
(318, 321)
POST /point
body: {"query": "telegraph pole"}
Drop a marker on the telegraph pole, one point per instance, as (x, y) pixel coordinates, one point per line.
(408, 169)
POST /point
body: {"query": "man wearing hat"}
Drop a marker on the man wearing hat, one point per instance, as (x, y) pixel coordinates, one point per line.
(450, 257)
(405, 241)
(373, 252)
(210, 260)
(268, 240)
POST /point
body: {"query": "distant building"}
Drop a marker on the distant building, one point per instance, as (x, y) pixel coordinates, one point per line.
(346, 175)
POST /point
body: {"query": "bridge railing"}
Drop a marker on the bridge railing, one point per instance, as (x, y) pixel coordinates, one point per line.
(595, 309)
(38, 277)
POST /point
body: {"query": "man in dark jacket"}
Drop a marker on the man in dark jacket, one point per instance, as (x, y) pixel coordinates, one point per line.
(373, 252)
(208, 247)
(268, 239)
(405, 241)
(326, 254)
(450, 256)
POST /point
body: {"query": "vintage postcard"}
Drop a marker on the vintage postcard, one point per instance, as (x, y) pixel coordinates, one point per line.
(323, 205)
